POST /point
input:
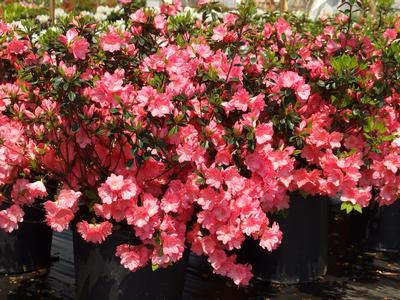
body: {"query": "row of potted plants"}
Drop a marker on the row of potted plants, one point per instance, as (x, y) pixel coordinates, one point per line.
(152, 134)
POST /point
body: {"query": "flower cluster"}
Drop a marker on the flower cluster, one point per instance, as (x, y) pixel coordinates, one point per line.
(189, 133)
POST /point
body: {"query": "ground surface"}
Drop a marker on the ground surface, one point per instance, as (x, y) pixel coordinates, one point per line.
(353, 274)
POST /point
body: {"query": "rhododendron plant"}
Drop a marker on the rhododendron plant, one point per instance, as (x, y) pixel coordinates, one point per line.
(190, 133)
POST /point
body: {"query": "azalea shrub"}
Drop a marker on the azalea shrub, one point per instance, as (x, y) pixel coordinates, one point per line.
(190, 129)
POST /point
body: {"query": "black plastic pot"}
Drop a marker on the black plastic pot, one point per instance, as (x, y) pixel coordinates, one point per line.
(100, 276)
(28, 248)
(383, 233)
(302, 256)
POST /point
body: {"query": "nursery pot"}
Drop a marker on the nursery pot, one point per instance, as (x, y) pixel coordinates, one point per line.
(383, 233)
(99, 274)
(28, 248)
(302, 255)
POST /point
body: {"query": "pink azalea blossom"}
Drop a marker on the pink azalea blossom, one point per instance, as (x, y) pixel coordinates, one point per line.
(133, 257)
(264, 133)
(95, 233)
(138, 16)
(111, 41)
(58, 218)
(24, 192)
(219, 33)
(160, 23)
(303, 92)
(290, 79)
(332, 47)
(10, 217)
(17, 46)
(282, 27)
(80, 48)
(60, 213)
(271, 237)
(390, 34)
(77, 45)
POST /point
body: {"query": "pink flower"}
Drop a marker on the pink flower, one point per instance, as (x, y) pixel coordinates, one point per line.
(68, 72)
(341, 18)
(58, 217)
(283, 27)
(231, 236)
(111, 41)
(61, 212)
(377, 69)
(139, 216)
(267, 31)
(174, 198)
(390, 34)
(160, 105)
(290, 79)
(264, 133)
(70, 36)
(68, 198)
(133, 257)
(115, 182)
(9, 218)
(271, 238)
(240, 101)
(303, 92)
(306, 181)
(332, 47)
(24, 192)
(203, 51)
(4, 27)
(80, 48)
(118, 188)
(17, 46)
(160, 23)
(77, 45)
(240, 274)
(138, 16)
(223, 265)
(335, 139)
(95, 233)
(360, 196)
(173, 246)
(130, 189)
(213, 177)
(219, 33)
(218, 259)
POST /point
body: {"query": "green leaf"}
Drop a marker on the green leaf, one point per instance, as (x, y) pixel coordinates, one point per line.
(297, 152)
(344, 65)
(154, 267)
(89, 194)
(129, 163)
(303, 194)
(173, 130)
(75, 127)
(65, 86)
(130, 128)
(357, 208)
(114, 110)
(134, 149)
(71, 96)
